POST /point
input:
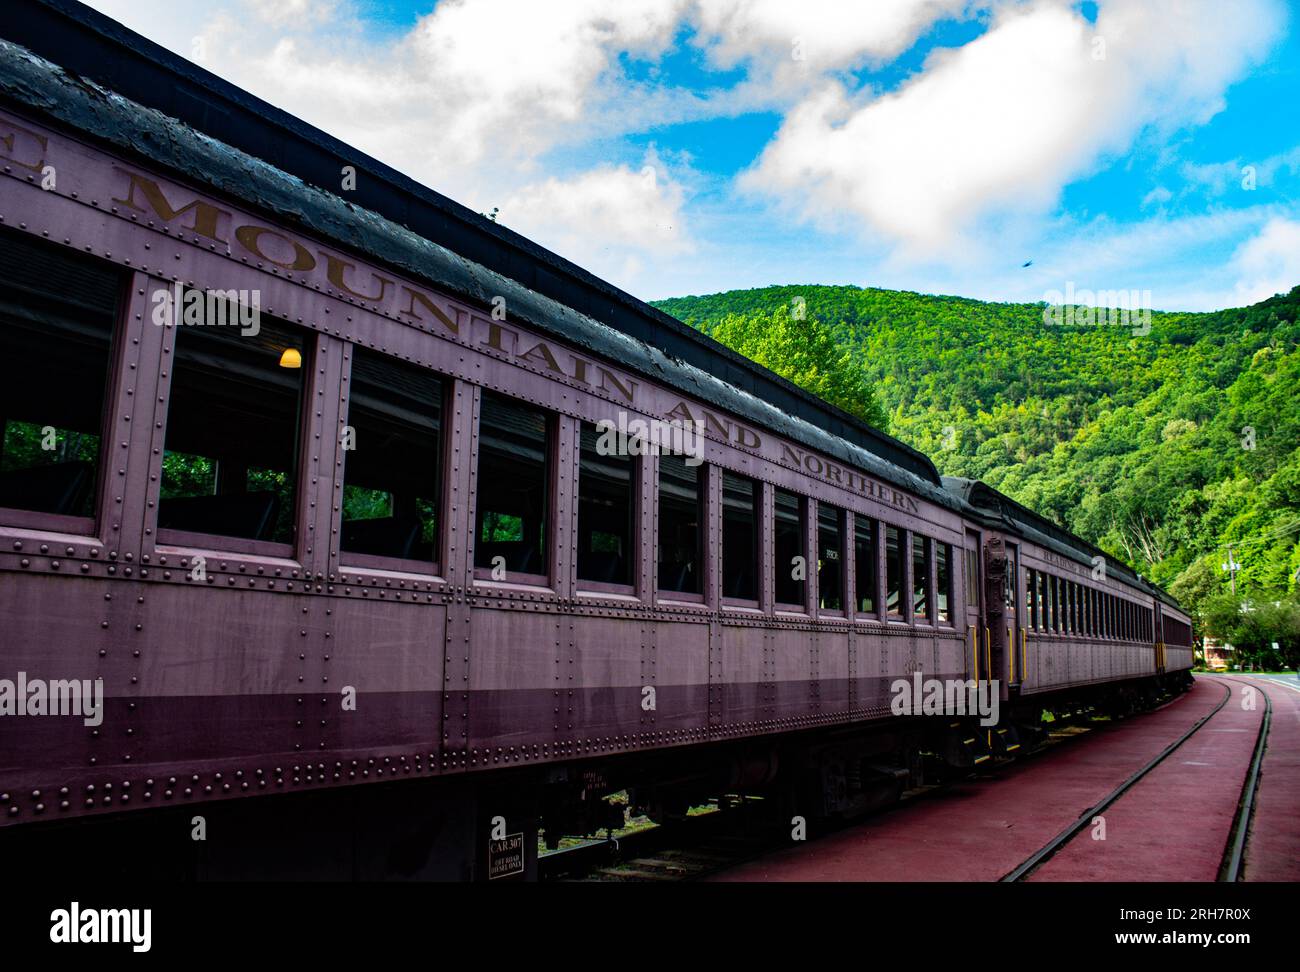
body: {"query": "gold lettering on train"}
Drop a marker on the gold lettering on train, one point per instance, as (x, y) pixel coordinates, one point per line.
(335, 268)
(205, 215)
(814, 465)
(205, 219)
(250, 238)
(541, 351)
(434, 309)
(9, 141)
(727, 431)
(608, 378)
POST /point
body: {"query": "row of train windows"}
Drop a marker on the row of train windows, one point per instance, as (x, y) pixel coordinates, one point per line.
(1058, 606)
(1177, 632)
(232, 450)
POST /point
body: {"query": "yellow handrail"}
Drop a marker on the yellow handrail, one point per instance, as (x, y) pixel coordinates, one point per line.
(975, 651)
(1024, 665)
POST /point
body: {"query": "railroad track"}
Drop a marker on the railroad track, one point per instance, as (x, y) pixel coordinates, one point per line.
(1230, 869)
(1231, 866)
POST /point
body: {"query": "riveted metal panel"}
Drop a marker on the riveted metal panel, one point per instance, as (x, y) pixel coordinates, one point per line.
(564, 532)
(333, 469)
(647, 520)
(511, 701)
(834, 676)
(767, 558)
(133, 457)
(322, 457)
(684, 684)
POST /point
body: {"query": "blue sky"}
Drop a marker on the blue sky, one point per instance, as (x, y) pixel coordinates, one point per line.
(691, 146)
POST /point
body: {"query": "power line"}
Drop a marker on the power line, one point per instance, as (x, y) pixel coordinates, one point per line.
(1272, 534)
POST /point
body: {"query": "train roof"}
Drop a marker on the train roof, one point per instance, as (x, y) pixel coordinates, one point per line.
(88, 45)
(997, 506)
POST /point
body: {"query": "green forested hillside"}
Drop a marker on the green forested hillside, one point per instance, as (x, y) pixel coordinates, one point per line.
(1161, 448)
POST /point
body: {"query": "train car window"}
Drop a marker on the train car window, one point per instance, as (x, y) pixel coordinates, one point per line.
(606, 508)
(1040, 593)
(1030, 617)
(681, 541)
(741, 500)
(392, 465)
(57, 318)
(230, 459)
(830, 558)
(972, 578)
(513, 502)
(1054, 603)
(866, 538)
(943, 581)
(791, 557)
(893, 572)
(1072, 601)
(920, 577)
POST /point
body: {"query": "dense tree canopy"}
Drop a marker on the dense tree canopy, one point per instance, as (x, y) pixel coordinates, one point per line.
(1161, 446)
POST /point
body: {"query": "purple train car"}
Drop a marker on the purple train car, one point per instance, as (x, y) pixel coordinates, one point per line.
(313, 525)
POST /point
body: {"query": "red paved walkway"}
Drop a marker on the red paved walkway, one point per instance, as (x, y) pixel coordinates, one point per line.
(1174, 823)
(1273, 850)
(981, 829)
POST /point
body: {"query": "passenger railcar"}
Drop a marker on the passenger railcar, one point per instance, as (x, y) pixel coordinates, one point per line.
(320, 500)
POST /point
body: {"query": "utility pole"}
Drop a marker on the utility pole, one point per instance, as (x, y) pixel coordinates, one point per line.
(1231, 566)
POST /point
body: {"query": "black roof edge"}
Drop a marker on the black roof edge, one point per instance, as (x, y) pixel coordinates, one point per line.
(981, 496)
(85, 42)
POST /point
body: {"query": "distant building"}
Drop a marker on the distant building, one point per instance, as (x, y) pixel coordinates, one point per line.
(1218, 656)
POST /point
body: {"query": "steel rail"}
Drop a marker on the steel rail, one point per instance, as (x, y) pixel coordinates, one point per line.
(1234, 851)
(1031, 863)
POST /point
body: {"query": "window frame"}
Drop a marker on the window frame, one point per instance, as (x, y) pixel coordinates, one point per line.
(875, 556)
(705, 473)
(758, 491)
(172, 541)
(903, 549)
(927, 567)
(635, 538)
(352, 561)
(131, 304)
(552, 473)
(805, 508)
(841, 527)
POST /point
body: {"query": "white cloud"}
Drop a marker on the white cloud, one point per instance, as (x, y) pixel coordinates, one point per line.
(792, 43)
(997, 127)
(527, 105)
(1157, 196)
(609, 219)
(1269, 262)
